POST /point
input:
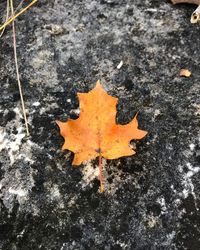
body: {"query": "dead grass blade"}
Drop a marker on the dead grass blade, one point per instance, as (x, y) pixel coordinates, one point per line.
(16, 15)
(17, 69)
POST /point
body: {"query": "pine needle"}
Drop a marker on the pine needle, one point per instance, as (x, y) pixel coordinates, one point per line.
(17, 69)
(7, 14)
(16, 15)
(7, 17)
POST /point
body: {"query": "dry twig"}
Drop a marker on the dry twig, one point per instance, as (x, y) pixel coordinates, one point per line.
(7, 17)
(18, 14)
(2, 28)
(17, 69)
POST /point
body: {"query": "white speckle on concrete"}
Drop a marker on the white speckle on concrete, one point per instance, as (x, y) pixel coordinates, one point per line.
(122, 244)
(11, 143)
(157, 113)
(14, 145)
(169, 238)
(188, 187)
(36, 104)
(72, 202)
(3, 140)
(25, 157)
(185, 193)
(89, 173)
(55, 191)
(197, 106)
(48, 107)
(42, 110)
(192, 146)
(18, 112)
(194, 170)
(120, 65)
(19, 192)
(81, 221)
(75, 111)
(152, 221)
(152, 10)
(161, 201)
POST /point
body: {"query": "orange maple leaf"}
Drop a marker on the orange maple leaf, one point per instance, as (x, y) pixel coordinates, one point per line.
(95, 132)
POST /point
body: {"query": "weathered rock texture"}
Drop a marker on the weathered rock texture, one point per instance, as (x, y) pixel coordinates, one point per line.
(153, 198)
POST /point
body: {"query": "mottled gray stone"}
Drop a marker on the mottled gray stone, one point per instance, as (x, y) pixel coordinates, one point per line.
(152, 199)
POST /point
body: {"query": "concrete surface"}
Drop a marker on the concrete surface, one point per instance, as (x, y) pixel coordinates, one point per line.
(152, 199)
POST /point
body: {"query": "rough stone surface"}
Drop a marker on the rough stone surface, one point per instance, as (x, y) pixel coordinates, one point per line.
(152, 199)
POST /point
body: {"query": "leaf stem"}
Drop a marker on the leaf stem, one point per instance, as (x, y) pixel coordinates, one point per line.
(101, 173)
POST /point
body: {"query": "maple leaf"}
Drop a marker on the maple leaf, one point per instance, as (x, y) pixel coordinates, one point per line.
(95, 133)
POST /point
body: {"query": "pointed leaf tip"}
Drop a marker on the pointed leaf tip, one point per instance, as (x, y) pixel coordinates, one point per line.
(99, 85)
(58, 123)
